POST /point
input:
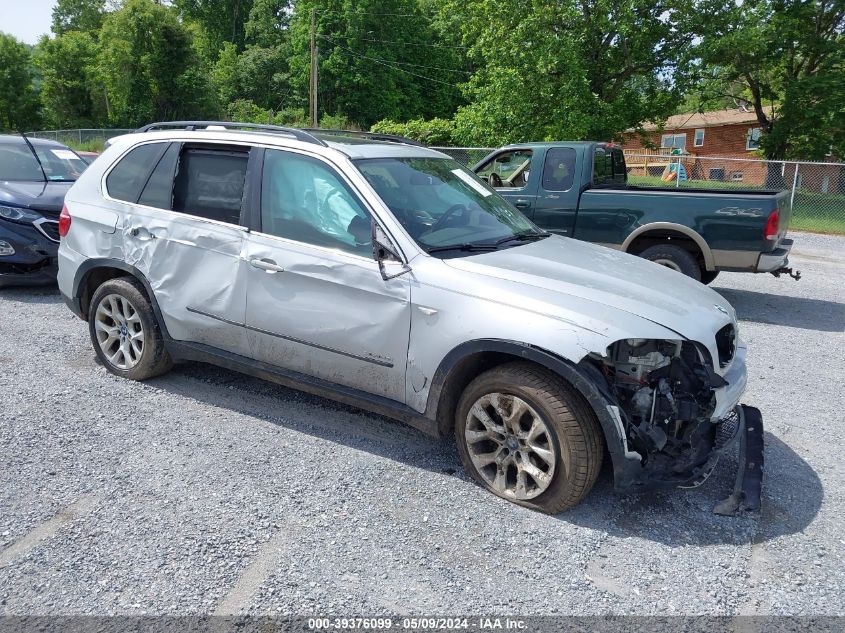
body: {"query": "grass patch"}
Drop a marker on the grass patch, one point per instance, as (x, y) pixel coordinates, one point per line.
(91, 145)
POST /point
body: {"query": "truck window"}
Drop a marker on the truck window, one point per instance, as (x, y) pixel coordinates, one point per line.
(559, 169)
(609, 168)
(509, 169)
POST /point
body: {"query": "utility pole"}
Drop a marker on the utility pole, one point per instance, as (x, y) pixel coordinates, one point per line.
(312, 90)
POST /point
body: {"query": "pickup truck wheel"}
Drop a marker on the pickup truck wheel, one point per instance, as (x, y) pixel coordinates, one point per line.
(124, 331)
(707, 276)
(526, 436)
(673, 257)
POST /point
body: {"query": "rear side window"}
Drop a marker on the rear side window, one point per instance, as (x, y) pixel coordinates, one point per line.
(127, 179)
(559, 169)
(209, 183)
(609, 168)
(159, 189)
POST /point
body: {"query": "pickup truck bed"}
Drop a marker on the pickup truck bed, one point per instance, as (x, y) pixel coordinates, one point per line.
(580, 190)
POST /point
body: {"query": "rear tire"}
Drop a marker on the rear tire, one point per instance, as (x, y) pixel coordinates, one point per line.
(674, 257)
(707, 276)
(124, 331)
(524, 434)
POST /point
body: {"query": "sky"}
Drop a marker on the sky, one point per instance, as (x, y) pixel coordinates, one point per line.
(27, 20)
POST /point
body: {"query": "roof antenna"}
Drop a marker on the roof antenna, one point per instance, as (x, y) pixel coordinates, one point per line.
(34, 153)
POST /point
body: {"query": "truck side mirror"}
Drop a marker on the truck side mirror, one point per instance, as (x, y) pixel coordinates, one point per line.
(385, 251)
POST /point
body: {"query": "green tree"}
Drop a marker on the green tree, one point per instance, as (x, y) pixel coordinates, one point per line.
(18, 99)
(222, 20)
(78, 15)
(787, 54)
(71, 96)
(149, 66)
(569, 69)
(379, 59)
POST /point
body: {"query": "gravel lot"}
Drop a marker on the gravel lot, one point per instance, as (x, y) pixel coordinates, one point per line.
(204, 491)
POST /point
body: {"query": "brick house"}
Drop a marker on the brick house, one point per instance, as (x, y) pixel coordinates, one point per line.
(720, 146)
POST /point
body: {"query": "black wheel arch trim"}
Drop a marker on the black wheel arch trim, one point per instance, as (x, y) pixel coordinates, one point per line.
(627, 466)
(90, 265)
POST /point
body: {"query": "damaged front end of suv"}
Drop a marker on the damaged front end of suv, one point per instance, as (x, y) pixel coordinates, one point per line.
(678, 415)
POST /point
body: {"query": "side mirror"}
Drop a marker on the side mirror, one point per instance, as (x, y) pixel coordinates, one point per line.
(385, 251)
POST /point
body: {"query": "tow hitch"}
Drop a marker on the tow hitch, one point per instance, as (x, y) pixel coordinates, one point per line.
(749, 475)
(796, 275)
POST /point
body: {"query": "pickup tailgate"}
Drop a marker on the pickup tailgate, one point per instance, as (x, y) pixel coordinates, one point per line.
(784, 203)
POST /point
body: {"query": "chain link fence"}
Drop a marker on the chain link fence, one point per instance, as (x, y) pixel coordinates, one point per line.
(91, 140)
(817, 190)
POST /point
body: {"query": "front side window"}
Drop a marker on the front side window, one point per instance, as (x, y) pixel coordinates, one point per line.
(303, 199)
(444, 207)
(209, 183)
(127, 179)
(559, 169)
(508, 169)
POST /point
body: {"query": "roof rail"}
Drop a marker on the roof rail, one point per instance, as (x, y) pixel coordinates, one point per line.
(373, 136)
(299, 135)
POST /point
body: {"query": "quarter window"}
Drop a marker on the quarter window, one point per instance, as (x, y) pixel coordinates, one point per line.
(128, 177)
(209, 183)
(303, 199)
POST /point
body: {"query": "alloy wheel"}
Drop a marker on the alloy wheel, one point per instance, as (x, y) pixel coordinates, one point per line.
(510, 446)
(119, 331)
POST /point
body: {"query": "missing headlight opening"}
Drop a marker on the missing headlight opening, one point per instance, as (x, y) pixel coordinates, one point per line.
(665, 391)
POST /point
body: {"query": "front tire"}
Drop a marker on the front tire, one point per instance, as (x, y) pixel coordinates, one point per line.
(124, 331)
(525, 435)
(674, 257)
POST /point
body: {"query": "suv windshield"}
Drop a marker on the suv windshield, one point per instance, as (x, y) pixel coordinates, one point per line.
(60, 163)
(444, 207)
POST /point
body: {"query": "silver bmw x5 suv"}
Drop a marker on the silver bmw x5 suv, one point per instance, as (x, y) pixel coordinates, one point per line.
(385, 275)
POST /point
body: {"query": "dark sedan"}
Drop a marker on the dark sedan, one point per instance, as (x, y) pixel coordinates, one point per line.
(34, 178)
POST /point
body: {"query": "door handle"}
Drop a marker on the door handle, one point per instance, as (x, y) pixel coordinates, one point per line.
(267, 265)
(521, 203)
(142, 233)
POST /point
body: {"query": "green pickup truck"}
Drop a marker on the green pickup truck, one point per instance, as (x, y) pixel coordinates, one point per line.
(581, 190)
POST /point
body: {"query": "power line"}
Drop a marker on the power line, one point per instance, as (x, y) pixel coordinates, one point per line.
(364, 39)
(449, 70)
(353, 12)
(389, 64)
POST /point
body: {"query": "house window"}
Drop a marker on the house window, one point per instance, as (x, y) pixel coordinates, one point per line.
(825, 184)
(699, 138)
(752, 141)
(736, 176)
(675, 141)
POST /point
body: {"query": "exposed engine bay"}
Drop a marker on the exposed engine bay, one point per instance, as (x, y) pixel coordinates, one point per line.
(665, 393)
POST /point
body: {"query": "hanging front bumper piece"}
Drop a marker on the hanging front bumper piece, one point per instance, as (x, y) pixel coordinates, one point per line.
(747, 492)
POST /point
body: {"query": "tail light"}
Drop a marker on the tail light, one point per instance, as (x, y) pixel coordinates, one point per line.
(64, 221)
(772, 225)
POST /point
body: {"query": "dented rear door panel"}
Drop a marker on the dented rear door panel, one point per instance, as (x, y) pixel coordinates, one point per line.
(194, 266)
